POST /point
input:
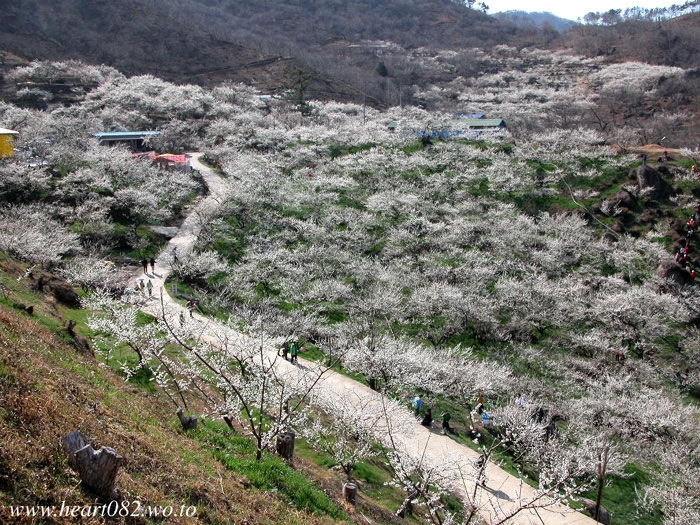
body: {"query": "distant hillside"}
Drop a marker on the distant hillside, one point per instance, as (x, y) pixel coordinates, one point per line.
(674, 42)
(539, 20)
(360, 51)
(208, 42)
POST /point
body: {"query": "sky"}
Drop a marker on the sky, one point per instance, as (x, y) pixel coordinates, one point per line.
(573, 9)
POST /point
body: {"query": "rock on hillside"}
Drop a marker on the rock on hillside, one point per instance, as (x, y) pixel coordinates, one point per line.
(650, 180)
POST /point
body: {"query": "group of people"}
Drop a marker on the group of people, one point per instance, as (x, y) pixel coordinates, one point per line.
(427, 416)
(145, 287)
(290, 351)
(683, 253)
(145, 262)
(478, 413)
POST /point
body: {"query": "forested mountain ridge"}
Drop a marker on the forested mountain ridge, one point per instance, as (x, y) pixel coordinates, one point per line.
(206, 42)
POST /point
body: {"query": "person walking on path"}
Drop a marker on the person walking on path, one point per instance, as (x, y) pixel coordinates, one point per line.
(480, 470)
(285, 350)
(190, 306)
(144, 263)
(293, 351)
(149, 285)
(427, 418)
(480, 404)
(446, 416)
(418, 404)
(153, 265)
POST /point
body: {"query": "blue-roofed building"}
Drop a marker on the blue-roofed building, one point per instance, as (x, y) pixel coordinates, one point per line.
(454, 128)
(134, 139)
(470, 115)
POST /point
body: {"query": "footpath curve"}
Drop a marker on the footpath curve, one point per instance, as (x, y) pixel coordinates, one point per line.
(502, 494)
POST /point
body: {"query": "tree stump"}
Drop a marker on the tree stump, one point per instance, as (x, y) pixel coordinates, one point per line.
(81, 343)
(97, 468)
(187, 422)
(350, 493)
(285, 444)
(406, 508)
(590, 506)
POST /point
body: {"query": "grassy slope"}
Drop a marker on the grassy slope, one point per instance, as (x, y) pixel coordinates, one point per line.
(48, 389)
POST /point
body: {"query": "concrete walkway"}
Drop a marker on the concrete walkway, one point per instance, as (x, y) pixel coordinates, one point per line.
(502, 495)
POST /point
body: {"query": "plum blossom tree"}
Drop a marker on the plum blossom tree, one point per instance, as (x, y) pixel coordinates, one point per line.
(122, 325)
(371, 349)
(227, 373)
(343, 427)
(93, 273)
(32, 234)
(677, 487)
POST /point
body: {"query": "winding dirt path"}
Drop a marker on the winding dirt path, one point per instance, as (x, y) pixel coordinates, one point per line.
(502, 495)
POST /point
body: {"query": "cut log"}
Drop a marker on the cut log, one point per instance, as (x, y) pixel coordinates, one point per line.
(97, 468)
(285, 444)
(350, 493)
(81, 343)
(187, 422)
(590, 506)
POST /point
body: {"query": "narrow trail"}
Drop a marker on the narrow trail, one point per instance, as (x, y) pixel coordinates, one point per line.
(502, 494)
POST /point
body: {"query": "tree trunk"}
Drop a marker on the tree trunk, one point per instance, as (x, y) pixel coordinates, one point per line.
(285, 444)
(603, 459)
(97, 468)
(188, 422)
(406, 508)
(350, 493)
(598, 499)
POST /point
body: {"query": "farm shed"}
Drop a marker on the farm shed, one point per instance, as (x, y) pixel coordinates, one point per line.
(134, 139)
(461, 127)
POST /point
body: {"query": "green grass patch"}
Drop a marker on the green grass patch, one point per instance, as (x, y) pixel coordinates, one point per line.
(270, 473)
(479, 188)
(303, 212)
(348, 201)
(340, 150)
(304, 450)
(313, 353)
(413, 148)
(372, 473)
(619, 497)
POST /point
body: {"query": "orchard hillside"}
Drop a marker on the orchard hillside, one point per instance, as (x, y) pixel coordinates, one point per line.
(360, 214)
